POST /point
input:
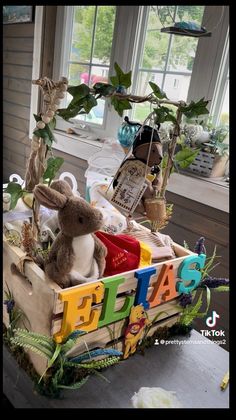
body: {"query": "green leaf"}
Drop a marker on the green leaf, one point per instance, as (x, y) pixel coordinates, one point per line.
(76, 385)
(164, 114)
(52, 360)
(186, 156)
(221, 289)
(89, 103)
(37, 118)
(82, 103)
(103, 89)
(46, 134)
(121, 78)
(157, 91)
(52, 124)
(78, 92)
(164, 164)
(194, 109)
(16, 192)
(120, 105)
(53, 165)
(67, 113)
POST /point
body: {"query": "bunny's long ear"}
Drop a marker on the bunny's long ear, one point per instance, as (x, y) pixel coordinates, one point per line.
(49, 198)
(62, 187)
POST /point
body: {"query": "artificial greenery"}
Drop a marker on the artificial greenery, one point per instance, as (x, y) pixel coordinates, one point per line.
(53, 166)
(192, 303)
(16, 191)
(16, 315)
(60, 363)
(216, 144)
(46, 133)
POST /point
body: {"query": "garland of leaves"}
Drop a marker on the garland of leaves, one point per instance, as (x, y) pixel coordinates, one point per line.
(85, 98)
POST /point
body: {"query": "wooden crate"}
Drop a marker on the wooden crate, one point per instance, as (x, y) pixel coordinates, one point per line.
(208, 165)
(38, 298)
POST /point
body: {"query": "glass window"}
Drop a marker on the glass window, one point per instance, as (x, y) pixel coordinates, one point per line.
(224, 112)
(90, 51)
(166, 60)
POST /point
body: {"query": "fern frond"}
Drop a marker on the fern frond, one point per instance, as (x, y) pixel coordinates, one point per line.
(96, 364)
(28, 346)
(95, 353)
(104, 363)
(221, 289)
(77, 385)
(24, 340)
(52, 360)
(41, 339)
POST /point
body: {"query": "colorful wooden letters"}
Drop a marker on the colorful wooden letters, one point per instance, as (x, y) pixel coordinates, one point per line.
(79, 313)
(89, 293)
(187, 274)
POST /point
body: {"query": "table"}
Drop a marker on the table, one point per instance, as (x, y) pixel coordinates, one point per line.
(193, 370)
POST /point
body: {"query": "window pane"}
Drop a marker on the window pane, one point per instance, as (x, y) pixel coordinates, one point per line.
(143, 82)
(82, 34)
(78, 74)
(183, 50)
(182, 54)
(224, 116)
(176, 86)
(156, 43)
(104, 34)
(99, 74)
(141, 111)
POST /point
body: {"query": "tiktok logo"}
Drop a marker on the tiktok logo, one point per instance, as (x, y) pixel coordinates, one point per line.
(211, 320)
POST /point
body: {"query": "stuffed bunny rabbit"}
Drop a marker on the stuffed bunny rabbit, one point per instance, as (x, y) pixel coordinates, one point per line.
(76, 255)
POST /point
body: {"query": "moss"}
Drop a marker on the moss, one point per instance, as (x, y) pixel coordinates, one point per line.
(23, 360)
(163, 333)
(48, 386)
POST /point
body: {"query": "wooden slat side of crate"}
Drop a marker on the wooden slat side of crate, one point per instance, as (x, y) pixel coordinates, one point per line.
(34, 294)
(119, 344)
(115, 332)
(128, 288)
(37, 297)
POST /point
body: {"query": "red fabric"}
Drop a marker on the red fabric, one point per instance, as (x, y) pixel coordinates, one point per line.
(123, 253)
(130, 327)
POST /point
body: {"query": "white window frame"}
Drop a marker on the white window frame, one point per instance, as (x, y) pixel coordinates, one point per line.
(129, 17)
(204, 77)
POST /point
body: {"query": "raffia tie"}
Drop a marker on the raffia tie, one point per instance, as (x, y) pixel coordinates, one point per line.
(21, 264)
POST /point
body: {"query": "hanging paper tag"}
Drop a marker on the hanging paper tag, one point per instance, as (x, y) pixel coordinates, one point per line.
(131, 184)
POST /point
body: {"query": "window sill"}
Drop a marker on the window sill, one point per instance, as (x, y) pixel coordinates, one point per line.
(201, 190)
(76, 145)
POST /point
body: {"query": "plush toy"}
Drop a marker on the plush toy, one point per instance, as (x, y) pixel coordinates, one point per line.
(77, 255)
(146, 148)
(134, 330)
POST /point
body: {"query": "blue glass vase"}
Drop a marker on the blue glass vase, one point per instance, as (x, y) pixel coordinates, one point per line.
(126, 132)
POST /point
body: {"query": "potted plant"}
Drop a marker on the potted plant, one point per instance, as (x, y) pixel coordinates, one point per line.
(212, 145)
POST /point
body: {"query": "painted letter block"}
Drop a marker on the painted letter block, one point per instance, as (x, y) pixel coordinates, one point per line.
(143, 277)
(108, 314)
(164, 288)
(190, 274)
(89, 293)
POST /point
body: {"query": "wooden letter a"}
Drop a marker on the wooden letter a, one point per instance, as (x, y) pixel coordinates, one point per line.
(164, 288)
